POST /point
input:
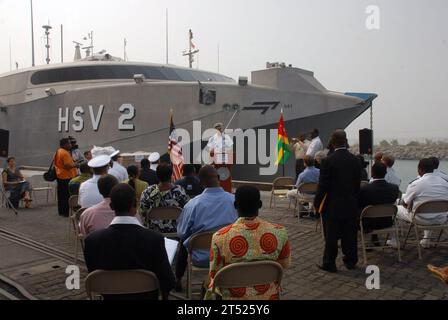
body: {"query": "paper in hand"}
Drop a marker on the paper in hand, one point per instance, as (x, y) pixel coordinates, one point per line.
(171, 249)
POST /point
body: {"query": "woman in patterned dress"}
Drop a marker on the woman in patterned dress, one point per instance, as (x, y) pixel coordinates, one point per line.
(249, 239)
(164, 194)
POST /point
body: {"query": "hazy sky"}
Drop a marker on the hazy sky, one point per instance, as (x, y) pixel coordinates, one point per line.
(405, 62)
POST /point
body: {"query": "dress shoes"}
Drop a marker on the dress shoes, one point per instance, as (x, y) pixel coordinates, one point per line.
(329, 269)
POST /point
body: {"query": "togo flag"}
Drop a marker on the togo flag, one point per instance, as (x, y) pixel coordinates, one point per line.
(283, 143)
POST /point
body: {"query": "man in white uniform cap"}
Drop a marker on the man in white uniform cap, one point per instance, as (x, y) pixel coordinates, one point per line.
(117, 170)
(154, 158)
(89, 195)
(220, 147)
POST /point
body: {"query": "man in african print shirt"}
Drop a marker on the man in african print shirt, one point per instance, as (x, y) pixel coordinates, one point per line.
(249, 239)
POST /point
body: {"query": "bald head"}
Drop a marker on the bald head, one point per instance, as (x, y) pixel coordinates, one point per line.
(339, 139)
(209, 177)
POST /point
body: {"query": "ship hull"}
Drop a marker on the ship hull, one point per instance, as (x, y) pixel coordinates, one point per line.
(134, 118)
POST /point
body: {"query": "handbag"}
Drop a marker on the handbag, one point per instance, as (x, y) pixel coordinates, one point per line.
(50, 175)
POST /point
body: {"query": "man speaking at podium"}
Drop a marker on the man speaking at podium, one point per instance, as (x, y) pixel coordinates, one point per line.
(221, 153)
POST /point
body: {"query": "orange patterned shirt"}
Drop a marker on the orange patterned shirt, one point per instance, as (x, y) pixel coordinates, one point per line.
(249, 240)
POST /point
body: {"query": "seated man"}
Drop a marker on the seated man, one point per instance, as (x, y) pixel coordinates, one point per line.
(249, 239)
(89, 195)
(147, 174)
(75, 183)
(101, 215)
(379, 191)
(126, 245)
(210, 211)
(428, 188)
(437, 171)
(190, 182)
(309, 175)
(391, 175)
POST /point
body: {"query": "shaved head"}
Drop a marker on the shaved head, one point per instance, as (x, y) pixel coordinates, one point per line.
(209, 177)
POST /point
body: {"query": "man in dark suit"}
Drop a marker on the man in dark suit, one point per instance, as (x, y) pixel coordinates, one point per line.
(377, 192)
(339, 184)
(126, 245)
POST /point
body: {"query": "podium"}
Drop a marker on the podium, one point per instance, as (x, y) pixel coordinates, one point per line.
(222, 160)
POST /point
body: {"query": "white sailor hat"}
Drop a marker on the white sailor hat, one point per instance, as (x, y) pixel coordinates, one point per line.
(154, 157)
(111, 151)
(99, 151)
(99, 161)
(218, 125)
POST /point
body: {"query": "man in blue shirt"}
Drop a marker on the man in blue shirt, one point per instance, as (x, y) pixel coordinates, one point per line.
(210, 211)
(309, 175)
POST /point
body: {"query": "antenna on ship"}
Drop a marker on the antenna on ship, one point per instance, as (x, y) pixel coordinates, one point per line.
(77, 51)
(62, 43)
(166, 36)
(32, 34)
(192, 51)
(125, 55)
(10, 55)
(47, 29)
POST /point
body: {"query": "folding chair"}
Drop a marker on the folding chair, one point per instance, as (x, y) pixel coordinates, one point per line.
(5, 201)
(429, 207)
(379, 211)
(280, 188)
(102, 282)
(74, 206)
(247, 274)
(164, 213)
(305, 194)
(200, 241)
(38, 184)
(79, 238)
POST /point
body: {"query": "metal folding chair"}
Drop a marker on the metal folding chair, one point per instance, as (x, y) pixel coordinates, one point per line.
(122, 282)
(435, 206)
(379, 211)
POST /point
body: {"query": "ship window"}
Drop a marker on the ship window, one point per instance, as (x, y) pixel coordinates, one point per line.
(185, 75)
(122, 72)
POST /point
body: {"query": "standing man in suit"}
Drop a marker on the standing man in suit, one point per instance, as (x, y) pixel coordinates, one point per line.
(126, 245)
(339, 184)
(379, 191)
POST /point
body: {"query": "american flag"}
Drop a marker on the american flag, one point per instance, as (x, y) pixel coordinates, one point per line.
(175, 151)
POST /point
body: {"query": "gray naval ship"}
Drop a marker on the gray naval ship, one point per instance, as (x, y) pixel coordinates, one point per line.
(102, 100)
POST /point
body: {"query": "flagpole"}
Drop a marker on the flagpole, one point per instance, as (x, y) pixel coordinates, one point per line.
(283, 165)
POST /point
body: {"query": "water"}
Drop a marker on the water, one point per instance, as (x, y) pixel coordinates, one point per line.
(407, 171)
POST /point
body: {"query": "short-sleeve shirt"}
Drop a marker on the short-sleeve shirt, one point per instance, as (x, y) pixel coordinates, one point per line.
(62, 159)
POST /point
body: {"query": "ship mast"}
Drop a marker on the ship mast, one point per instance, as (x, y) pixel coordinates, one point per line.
(47, 29)
(192, 50)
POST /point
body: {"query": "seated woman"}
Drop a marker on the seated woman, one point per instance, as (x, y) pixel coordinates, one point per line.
(15, 183)
(138, 185)
(164, 194)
